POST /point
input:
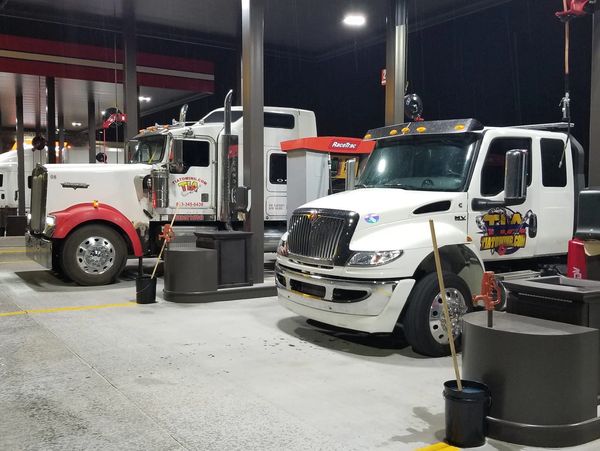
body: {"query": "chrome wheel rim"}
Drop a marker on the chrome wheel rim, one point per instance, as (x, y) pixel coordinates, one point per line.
(457, 307)
(95, 255)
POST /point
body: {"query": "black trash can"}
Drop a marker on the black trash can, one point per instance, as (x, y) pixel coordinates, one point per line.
(466, 411)
(145, 290)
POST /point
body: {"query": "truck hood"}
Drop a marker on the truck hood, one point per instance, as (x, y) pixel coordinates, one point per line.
(385, 205)
(80, 170)
(396, 218)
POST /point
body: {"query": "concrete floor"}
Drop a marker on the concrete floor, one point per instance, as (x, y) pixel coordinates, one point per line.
(231, 375)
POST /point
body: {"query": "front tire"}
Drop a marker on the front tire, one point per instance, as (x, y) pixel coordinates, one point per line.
(93, 255)
(424, 323)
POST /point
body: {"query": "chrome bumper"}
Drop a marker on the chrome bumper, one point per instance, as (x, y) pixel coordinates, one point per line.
(39, 250)
(354, 297)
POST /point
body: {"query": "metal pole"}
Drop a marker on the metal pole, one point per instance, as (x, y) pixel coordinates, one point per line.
(51, 118)
(253, 106)
(594, 145)
(20, 148)
(61, 134)
(396, 45)
(91, 129)
(130, 87)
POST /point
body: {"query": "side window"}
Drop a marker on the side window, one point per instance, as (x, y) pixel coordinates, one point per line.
(196, 153)
(278, 169)
(1, 179)
(28, 182)
(492, 173)
(279, 120)
(554, 170)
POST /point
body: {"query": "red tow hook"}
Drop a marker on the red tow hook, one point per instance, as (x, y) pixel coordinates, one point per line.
(490, 295)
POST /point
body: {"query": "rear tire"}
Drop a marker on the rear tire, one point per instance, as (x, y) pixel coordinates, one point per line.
(424, 323)
(93, 255)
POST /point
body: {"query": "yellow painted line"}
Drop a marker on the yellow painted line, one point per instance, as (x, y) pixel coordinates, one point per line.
(68, 309)
(438, 447)
(12, 251)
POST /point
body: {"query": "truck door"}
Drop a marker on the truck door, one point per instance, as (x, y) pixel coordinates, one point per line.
(276, 185)
(503, 233)
(556, 213)
(192, 182)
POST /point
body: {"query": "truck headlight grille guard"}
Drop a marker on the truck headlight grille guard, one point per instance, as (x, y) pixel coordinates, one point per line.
(321, 236)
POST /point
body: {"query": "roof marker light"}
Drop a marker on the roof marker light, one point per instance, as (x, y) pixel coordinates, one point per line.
(393, 132)
(459, 127)
(421, 129)
(405, 130)
(355, 20)
(368, 136)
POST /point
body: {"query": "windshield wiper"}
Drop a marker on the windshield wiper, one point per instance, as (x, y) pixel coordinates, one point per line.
(396, 185)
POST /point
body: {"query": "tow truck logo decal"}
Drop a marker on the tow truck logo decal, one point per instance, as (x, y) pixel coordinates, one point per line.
(189, 185)
(372, 218)
(504, 230)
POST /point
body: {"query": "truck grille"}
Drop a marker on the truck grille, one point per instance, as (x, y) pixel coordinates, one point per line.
(39, 185)
(321, 236)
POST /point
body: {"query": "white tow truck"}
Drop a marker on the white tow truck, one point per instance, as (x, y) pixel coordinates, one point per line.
(87, 219)
(502, 199)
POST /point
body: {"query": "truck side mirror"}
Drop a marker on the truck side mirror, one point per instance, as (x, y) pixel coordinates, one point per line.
(176, 151)
(176, 157)
(515, 177)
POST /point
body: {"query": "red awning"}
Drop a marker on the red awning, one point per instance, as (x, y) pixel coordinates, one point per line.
(330, 144)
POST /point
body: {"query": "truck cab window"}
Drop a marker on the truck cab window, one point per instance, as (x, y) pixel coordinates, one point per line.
(278, 169)
(28, 182)
(278, 120)
(1, 179)
(196, 153)
(149, 149)
(492, 172)
(553, 154)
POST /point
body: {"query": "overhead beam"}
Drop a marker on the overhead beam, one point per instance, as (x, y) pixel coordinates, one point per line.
(594, 145)
(396, 44)
(20, 148)
(253, 107)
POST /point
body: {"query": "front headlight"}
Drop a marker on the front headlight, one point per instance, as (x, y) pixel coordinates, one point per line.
(28, 219)
(49, 225)
(377, 258)
(282, 247)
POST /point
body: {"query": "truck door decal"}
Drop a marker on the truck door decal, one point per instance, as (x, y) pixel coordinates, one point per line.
(189, 185)
(504, 231)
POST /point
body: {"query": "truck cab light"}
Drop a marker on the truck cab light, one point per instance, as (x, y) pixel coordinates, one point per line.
(95, 204)
(405, 130)
(393, 132)
(421, 129)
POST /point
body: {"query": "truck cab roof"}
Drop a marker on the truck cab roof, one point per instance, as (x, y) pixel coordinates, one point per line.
(455, 126)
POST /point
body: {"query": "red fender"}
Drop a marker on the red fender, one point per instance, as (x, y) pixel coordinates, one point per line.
(67, 220)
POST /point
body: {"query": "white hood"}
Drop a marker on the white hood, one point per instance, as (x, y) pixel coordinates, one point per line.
(391, 204)
(387, 219)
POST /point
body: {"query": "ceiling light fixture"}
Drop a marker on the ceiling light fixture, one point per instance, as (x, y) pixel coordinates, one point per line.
(355, 20)
(144, 99)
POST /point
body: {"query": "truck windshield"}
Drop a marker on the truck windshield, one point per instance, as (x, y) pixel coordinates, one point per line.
(423, 163)
(149, 149)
